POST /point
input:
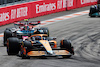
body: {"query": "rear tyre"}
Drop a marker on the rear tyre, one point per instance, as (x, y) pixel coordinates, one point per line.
(66, 44)
(13, 46)
(7, 34)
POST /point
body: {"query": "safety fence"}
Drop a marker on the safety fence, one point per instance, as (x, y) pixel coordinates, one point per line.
(18, 12)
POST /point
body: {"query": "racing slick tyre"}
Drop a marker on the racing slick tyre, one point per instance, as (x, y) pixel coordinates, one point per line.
(28, 46)
(7, 34)
(13, 46)
(66, 44)
(45, 30)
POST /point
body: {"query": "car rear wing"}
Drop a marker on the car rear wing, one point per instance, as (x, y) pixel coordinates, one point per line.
(33, 23)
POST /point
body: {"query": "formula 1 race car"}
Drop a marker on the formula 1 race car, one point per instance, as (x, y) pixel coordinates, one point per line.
(39, 45)
(94, 11)
(24, 29)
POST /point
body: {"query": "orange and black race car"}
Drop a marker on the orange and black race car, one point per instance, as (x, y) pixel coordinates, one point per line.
(39, 45)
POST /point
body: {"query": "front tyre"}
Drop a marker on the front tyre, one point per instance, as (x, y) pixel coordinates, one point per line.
(13, 46)
(66, 44)
(26, 47)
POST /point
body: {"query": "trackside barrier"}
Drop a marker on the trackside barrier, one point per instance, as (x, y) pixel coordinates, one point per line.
(83, 3)
(14, 13)
(71, 4)
(19, 12)
(48, 7)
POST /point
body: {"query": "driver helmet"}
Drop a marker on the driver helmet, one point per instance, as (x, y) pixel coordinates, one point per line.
(26, 20)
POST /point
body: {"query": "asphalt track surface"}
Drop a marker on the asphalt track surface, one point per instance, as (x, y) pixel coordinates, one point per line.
(84, 33)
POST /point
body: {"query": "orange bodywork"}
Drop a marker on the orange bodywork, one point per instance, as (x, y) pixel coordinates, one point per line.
(43, 53)
(55, 46)
(23, 49)
(61, 52)
(36, 53)
(61, 42)
(46, 45)
(55, 43)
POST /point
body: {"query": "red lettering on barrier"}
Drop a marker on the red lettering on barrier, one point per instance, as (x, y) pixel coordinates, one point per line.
(4, 16)
(22, 12)
(45, 7)
(59, 4)
(13, 13)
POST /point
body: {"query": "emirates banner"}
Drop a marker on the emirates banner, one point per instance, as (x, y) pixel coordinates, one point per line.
(14, 13)
(48, 7)
(71, 4)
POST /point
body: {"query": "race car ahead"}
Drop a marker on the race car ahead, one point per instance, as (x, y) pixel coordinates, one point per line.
(24, 29)
(38, 45)
(94, 11)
